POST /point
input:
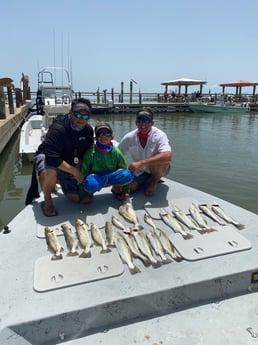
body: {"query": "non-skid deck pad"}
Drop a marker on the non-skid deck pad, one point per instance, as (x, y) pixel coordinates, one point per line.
(224, 241)
(182, 203)
(55, 274)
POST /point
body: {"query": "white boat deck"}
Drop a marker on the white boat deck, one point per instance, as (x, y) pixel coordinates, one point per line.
(212, 300)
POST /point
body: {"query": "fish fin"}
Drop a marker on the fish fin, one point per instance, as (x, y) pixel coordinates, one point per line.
(104, 251)
(134, 270)
(57, 257)
(187, 236)
(85, 255)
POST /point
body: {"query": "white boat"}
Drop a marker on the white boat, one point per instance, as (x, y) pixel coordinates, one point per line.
(54, 97)
(32, 134)
(55, 92)
(216, 108)
(207, 297)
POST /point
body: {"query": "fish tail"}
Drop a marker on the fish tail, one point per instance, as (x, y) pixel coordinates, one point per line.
(240, 226)
(104, 251)
(166, 261)
(72, 253)
(211, 230)
(187, 236)
(156, 264)
(134, 269)
(145, 261)
(111, 245)
(57, 257)
(85, 255)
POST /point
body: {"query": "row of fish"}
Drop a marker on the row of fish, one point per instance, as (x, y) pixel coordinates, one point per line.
(83, 240)
(178, 219)
(196, 221)
(131, 243)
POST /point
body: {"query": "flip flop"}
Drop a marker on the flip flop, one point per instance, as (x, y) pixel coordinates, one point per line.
(48, 211)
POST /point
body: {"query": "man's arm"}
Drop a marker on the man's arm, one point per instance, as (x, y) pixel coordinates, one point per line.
(158, 159)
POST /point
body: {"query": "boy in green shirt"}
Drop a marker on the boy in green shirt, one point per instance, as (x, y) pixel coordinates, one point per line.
(104, 165)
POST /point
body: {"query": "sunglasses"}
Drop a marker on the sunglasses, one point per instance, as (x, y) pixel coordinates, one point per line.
(104, 134)
(79, 116)
(143, 120)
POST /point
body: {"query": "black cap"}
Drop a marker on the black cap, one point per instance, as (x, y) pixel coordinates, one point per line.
(107, 127)
(144, 113)
(80, 106)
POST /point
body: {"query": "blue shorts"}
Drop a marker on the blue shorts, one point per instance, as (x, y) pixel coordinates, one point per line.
(95, 182)
(67, 182)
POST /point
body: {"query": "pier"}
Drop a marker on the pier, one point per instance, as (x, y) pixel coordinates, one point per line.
(10, 124)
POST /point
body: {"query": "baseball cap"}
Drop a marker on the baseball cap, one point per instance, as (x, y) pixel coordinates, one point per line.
(80, 106)
(107, 127)
(145, 113)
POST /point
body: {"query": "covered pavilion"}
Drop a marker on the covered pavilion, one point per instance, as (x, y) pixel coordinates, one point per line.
(238, 84)
(184, 82)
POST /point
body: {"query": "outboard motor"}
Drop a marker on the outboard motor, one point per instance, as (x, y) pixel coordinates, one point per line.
(40, 103)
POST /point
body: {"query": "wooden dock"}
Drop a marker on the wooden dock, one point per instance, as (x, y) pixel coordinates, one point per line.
(155, 106)
(10, 124)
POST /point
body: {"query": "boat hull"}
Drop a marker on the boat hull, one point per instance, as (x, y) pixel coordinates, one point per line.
(168, 304)
(32, 134)
(213, 108)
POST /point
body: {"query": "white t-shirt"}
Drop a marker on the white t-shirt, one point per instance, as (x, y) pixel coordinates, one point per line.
(157, 142)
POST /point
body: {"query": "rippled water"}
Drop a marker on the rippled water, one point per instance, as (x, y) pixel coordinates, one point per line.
(216, 153)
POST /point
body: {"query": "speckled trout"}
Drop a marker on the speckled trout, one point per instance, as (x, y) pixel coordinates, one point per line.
(84, 240)
(198, 218)
(110, 234)
(70, 240)
(126, 210)
(220, 212)
(205, 209)
(98, 239)
(173, 223)
(130, 240)
(157, 246)
(167, 244)
(145, 248)
(117, 223)
(183, 218)
(53, 245)
(125, 253)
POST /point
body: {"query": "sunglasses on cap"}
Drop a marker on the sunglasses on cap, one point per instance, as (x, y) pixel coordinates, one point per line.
(143, 120)
(104, 134)
(83, 116)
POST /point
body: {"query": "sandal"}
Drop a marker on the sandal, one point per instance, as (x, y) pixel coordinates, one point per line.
(121, 196)
(48, 211)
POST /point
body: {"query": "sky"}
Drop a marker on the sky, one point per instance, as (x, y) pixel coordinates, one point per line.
(105, 42)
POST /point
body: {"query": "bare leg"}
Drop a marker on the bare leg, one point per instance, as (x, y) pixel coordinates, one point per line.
(133, 186)
(157, 172)
(47, 180)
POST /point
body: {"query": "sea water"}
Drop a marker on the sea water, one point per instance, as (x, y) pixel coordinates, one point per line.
(216, 153)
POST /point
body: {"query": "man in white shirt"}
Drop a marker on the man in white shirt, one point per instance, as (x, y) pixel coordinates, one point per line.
(150, 152)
